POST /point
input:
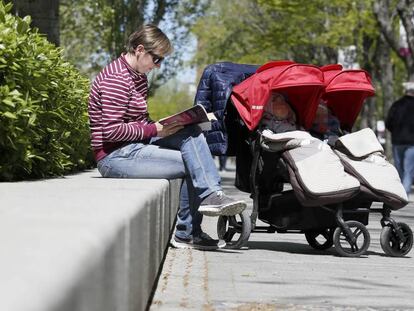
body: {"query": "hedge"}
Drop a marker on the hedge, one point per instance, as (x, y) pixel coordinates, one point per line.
(43, 105)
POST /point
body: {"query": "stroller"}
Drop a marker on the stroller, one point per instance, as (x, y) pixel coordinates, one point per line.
(298, 183)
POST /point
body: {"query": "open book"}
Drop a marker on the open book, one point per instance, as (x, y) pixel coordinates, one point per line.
(196, 114)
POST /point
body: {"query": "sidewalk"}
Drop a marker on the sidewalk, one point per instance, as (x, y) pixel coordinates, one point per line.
(282, 272)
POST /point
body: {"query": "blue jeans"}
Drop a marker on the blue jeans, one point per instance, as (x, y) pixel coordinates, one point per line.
(404, 162)
(184, 154)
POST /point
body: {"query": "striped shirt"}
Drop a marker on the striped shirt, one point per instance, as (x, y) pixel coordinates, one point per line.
(118, 108)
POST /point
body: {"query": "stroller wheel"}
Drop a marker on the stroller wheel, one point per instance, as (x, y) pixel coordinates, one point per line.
(352, 240)
(394, 244)
(320, 240)
(235, 230)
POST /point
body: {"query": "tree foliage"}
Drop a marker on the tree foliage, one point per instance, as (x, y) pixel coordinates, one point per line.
(85, 32)
(389, 15)
(94, 32)
(305, 31)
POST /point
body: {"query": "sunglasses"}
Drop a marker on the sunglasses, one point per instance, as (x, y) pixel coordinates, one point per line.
(155, 58)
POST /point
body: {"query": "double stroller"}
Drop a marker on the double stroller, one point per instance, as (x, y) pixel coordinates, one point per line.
(302, 184)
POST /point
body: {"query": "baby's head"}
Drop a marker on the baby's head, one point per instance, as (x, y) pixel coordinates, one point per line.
(320, 123)
(325, 122)
(279, 107)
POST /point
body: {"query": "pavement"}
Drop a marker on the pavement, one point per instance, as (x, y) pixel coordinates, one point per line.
(282, 272)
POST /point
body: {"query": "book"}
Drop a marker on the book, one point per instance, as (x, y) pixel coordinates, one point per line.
(196, 114)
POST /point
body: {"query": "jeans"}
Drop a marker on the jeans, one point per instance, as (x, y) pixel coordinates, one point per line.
(404, 162)
(184, 154)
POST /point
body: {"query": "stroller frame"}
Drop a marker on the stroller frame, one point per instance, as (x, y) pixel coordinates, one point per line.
(341, 225)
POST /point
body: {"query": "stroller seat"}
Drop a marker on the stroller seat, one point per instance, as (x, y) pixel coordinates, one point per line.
(321, 175)
(316, 173)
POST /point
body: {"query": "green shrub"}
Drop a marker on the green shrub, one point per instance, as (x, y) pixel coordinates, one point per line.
(43, 105)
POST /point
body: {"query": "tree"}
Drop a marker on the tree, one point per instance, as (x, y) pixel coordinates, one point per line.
(85, 33)
(44, 14)
(389, 15)
(93, 32)
(308, 32)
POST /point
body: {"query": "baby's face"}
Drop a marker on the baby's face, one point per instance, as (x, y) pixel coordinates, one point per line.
(279, 107)
(321, 119)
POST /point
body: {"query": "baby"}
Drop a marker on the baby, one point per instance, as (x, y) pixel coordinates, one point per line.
(325, 125)
(278, 115)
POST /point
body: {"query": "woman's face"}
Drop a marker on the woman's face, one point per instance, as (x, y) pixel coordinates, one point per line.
(144, 60)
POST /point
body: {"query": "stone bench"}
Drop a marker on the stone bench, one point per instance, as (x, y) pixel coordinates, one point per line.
(83, 242)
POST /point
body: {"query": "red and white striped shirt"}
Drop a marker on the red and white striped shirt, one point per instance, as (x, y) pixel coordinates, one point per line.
(117, 108)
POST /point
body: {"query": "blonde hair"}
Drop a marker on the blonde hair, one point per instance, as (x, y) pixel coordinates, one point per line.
(152, 38)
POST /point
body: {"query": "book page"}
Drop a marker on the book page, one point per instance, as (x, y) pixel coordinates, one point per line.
(195, 114)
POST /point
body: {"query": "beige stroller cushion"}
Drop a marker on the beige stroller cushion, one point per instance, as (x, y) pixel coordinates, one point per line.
(318, 176)
(275, 142)
(316, 173)
(269, 135)
(360, 143)
(320, 169)
(372, 168)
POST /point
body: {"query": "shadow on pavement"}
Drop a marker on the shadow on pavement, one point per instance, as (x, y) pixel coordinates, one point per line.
(288, 247)
(299, 248)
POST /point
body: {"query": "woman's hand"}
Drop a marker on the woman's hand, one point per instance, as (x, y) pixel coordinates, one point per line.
(167, 130)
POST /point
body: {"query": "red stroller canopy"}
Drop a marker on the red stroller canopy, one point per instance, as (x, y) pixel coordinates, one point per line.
(301, 84)
(345, 92)
(330, 71)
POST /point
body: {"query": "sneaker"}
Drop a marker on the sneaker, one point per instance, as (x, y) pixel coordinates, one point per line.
(202, 242)
(218, 204)
(205, 236)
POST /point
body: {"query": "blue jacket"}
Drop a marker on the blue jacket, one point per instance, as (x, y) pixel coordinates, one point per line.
(213, 92)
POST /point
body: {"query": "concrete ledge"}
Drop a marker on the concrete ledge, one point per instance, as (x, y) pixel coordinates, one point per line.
(83, 242)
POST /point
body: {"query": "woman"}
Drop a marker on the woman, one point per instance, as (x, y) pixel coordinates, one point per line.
(128, 144)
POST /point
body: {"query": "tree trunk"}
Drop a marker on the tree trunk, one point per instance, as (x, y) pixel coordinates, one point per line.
(405, 9)
(128, 16)
(368, 116)
(44, 13)
(384, 74)
(387, 85)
